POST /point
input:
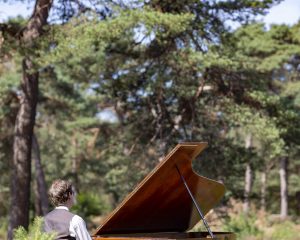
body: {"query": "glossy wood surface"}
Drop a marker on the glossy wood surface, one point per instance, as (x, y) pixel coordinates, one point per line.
(160, 203)
(162, 236)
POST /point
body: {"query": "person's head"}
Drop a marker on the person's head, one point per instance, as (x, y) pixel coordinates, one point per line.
(61, 193)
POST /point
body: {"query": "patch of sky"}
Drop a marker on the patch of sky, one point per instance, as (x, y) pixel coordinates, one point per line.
(25, 8)
(14, 9)
(168, 70)
(232, 25)
(107, 115)
(132, 3)
(142, 35)
(92, 89)
(123, 72)
(95, 10)
(199, 74)
(131, 98)
(142, 70)
(180, 44)
(118, 74)
(154, 77)
(115, 76)
(168, 84)
(287, 12)
(288, 66)
(142, 93)
(199, 42)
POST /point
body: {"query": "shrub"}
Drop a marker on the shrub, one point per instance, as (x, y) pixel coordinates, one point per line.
(34, 233)
(285, 230)
(90, 204)
(243, 226)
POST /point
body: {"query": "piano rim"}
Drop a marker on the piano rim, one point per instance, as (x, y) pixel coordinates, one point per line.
(167, 235)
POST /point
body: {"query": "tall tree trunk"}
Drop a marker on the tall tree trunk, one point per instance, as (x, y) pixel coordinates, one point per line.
(41, 197)
(21, 165)
(248, 177)
(283, 187)
(297, 195)
(21, 162)
(263, 190)
(75, 163)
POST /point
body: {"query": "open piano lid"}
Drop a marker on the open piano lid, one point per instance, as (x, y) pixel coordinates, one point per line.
(161, 203)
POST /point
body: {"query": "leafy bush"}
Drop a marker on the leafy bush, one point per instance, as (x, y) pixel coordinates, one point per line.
(90, 204)
(285, 230)
(34, 233)
(243, 226)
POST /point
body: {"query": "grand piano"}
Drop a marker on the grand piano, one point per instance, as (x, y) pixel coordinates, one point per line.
(167, 203)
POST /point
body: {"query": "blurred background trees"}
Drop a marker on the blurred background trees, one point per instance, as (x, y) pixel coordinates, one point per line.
(121, 83)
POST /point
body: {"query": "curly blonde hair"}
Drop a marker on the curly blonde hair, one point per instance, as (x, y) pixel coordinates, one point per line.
(60, 192)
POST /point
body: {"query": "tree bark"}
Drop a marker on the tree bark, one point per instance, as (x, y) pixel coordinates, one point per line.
(75, 163)
(41, 197)
(297, 195)
(21, 162)
(283, 187)
(21, 165)
(248, 177)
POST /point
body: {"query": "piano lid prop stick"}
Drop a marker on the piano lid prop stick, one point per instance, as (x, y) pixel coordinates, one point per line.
(195, 203)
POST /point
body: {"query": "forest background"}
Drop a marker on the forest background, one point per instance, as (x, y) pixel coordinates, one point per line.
(98, 91)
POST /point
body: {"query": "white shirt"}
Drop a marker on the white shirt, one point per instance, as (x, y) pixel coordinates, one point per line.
(77, 227)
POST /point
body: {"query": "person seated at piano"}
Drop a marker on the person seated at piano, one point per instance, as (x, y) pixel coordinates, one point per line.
(61, 221)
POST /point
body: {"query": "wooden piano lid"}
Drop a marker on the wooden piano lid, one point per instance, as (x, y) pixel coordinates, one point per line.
(160, 203)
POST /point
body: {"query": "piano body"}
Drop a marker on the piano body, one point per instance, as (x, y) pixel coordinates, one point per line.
(167, 203)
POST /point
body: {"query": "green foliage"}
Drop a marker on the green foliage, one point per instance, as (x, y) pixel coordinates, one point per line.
(265, 50)
(286, 230)
(9, 43)
(123, 172)
(261, 126)
(34, 233)
(293, 90)
(90, 204)
(258, 226)
(9, 85)
(3, 227)
(95, 35)
(243, 226)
